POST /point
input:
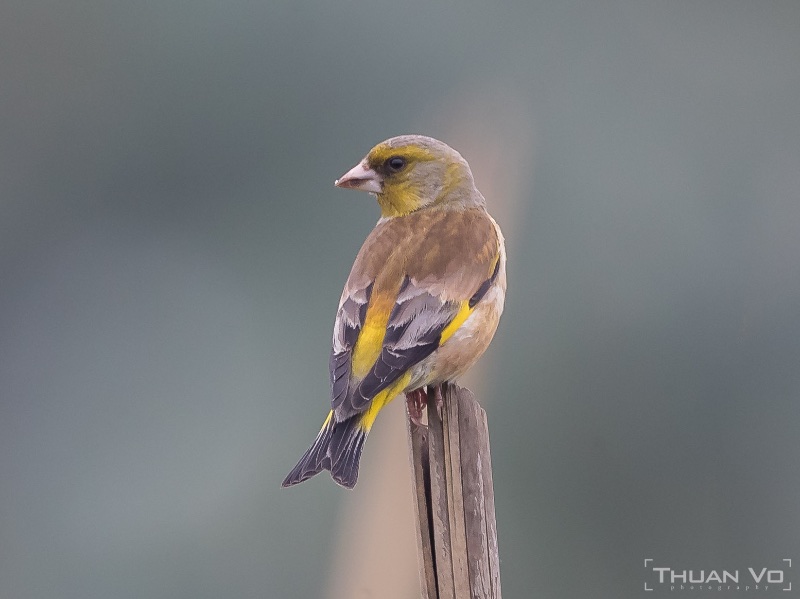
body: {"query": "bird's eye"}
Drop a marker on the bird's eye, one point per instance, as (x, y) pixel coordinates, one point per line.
(396, 163)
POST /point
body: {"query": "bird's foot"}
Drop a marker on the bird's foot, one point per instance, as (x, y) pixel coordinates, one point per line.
(416, 401)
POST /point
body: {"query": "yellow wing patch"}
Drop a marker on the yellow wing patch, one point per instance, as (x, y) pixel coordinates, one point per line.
(460, 317)
(370, 341)
(380, 401)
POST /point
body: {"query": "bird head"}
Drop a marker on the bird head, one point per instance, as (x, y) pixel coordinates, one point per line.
(411, 172)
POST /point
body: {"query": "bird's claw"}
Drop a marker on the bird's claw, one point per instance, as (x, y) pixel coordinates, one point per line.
(416, 401)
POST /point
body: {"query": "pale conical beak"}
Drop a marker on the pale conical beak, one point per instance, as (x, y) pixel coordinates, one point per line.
(362, 178)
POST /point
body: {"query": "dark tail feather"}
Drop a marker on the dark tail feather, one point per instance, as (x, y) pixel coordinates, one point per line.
(315, 459)
(345, 451)
(337, 448)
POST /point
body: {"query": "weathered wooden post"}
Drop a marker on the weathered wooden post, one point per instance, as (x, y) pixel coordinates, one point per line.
(452, 482)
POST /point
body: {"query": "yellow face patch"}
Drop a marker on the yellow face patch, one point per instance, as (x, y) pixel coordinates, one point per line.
(398, 199)
(401, 194)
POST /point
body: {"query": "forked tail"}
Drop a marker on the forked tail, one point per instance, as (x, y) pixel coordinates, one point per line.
(337, 448)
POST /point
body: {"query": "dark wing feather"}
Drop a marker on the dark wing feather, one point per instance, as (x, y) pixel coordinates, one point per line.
(412, 334)
(349, 319)
(484, 288)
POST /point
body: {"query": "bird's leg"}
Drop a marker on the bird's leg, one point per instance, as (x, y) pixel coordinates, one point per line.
(416, 401)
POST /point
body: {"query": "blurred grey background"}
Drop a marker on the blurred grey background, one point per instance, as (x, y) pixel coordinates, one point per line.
(172, 251)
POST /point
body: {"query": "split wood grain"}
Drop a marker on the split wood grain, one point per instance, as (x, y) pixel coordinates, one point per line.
(452, 478)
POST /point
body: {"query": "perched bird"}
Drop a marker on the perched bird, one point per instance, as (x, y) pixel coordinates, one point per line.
(423, 298)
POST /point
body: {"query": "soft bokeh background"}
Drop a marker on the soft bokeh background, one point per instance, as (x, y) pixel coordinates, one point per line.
(172, 251)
